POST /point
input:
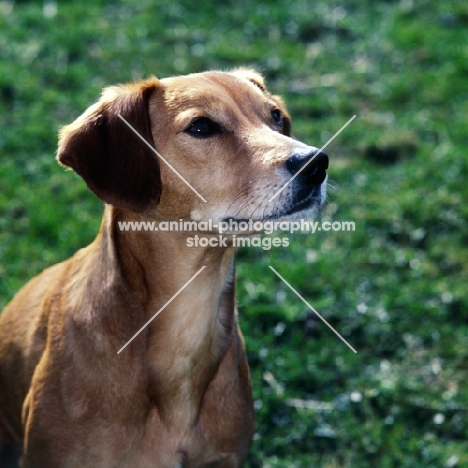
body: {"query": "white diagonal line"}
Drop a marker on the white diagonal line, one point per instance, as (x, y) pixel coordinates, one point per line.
(158, 154)
(161, 309)
(311, 159)
(313, 310)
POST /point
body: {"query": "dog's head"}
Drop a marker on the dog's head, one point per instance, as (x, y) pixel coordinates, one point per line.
(221, 134)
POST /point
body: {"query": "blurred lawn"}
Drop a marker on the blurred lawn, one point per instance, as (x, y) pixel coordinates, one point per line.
(396, 288)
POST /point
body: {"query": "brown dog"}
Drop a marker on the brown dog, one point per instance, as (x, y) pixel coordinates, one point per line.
(179, 394)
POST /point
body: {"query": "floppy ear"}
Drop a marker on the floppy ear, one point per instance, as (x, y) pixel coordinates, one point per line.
(114, 162)
(258, 81)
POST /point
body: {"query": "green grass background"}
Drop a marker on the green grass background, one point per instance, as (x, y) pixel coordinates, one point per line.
(396, 288)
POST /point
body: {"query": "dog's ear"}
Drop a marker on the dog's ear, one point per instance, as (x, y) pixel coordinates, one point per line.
(257, 79)
(253, 76)
(114, 162)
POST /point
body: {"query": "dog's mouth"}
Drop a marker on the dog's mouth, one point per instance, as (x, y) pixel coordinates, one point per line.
(311, 201)
(304, 199)
(310, 193)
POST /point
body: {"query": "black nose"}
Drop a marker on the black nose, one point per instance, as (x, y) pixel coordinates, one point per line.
(312, 165)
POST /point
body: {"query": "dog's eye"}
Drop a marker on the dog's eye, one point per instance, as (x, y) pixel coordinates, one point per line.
(203, 127)
(277, 117)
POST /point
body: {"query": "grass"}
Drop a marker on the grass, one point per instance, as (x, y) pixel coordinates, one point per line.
(395, 288)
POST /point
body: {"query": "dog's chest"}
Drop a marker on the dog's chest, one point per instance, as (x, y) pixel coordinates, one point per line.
(175, 448)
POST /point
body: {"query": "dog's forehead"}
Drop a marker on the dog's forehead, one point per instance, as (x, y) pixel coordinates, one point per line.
(212, 86)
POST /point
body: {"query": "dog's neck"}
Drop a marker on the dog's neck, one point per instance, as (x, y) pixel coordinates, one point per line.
(187, 341)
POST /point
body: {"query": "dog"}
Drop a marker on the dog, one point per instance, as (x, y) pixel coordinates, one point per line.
(207, 146)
